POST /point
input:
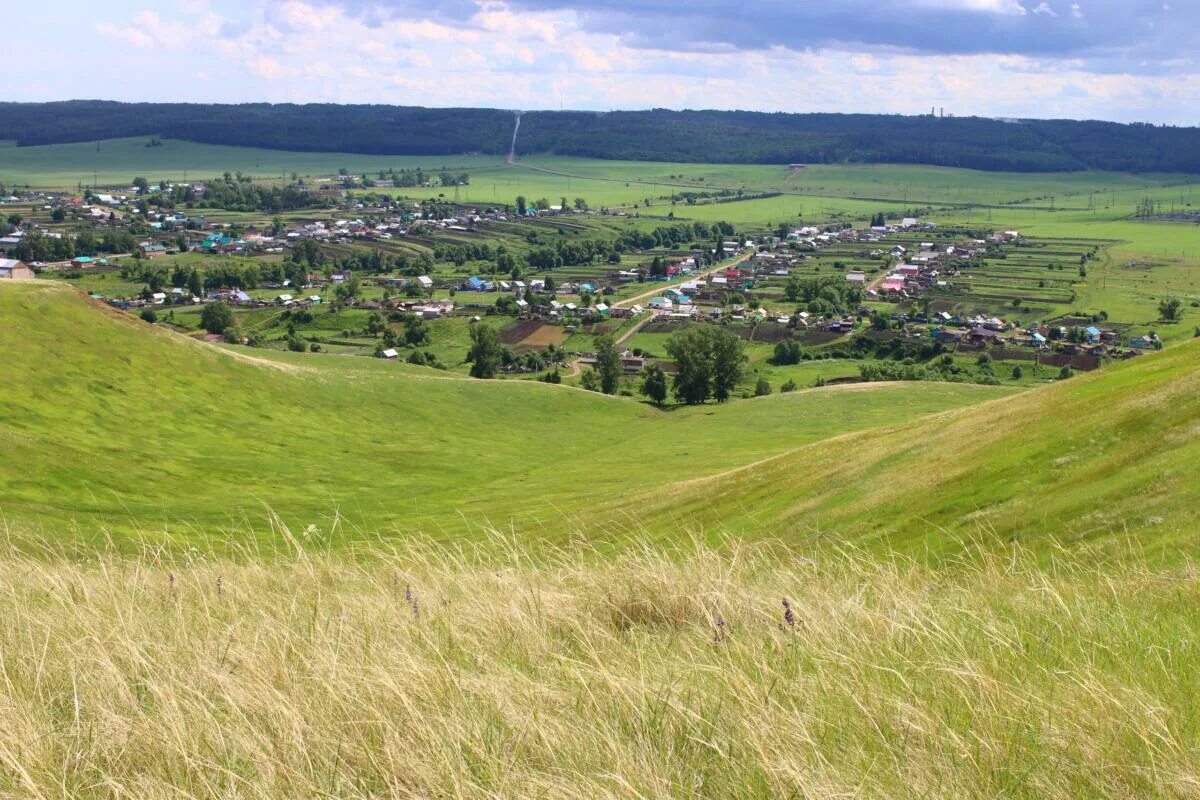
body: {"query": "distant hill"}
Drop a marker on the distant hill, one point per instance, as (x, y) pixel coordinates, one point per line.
(657, 135)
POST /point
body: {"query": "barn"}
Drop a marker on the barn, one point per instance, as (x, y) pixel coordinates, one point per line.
(14, 270)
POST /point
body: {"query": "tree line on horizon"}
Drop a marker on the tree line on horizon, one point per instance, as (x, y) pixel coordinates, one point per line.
(655, 135)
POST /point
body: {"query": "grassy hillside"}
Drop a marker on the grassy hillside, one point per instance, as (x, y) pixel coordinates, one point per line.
(417, 673)
(108, 422)
(1111, 453)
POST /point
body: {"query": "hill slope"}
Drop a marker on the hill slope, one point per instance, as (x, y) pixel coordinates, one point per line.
(1113, 452)
(106, 421)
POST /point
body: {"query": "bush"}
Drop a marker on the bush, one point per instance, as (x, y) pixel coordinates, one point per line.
(149, 315)
(788, 352)
(789, 386)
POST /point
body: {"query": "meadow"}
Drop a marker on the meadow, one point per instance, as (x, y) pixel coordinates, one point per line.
(110, 422)
(115, 162)
(1096, 458)
(510, 670)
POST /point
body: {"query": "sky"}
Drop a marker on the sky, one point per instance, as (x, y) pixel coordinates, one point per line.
(1122, 60)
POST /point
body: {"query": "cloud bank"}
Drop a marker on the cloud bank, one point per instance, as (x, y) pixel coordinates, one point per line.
(1112, 59)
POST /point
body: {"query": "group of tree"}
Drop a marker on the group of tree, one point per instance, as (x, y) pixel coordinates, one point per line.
(35, 245)
(824, 295)
(231, 193)
(652, 135)
(708, 360)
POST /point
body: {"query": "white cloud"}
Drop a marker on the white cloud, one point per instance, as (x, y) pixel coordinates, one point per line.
(507, 57)
(987, 6)
(268, 68)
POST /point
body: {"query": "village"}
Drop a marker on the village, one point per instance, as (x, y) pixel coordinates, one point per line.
(362, 256)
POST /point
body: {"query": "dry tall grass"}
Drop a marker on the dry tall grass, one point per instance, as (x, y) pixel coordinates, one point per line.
(425, 672)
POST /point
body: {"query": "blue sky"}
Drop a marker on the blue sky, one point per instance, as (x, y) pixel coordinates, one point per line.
(1125, 60)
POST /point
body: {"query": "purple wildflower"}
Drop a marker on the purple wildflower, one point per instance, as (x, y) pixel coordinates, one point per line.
(788, 616)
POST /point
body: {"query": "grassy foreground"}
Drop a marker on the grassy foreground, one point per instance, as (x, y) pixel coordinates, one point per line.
(421, 672)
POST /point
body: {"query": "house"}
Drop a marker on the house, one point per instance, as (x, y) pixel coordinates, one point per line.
(631, 363)
(14, 270)
(856, 277)
(983, 336)
(949, 335)
(661, 303)
(151, 250)
(79, 262)
(390, 354)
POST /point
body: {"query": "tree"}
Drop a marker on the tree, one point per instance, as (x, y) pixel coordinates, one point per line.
(589, 381)
(608, 364)
(762, 388)
(1170, 309)
(654, 385)
(216, 317)
(522, 205)
(485, 352)
(1017, 373)
(708, 363)
(787, 352)
(376, 324)
(149, 315)
(727, 359)
(416, 333)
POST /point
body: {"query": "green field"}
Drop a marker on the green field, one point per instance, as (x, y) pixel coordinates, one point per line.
(112, 422)
(116, 162)
(1110, 454)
